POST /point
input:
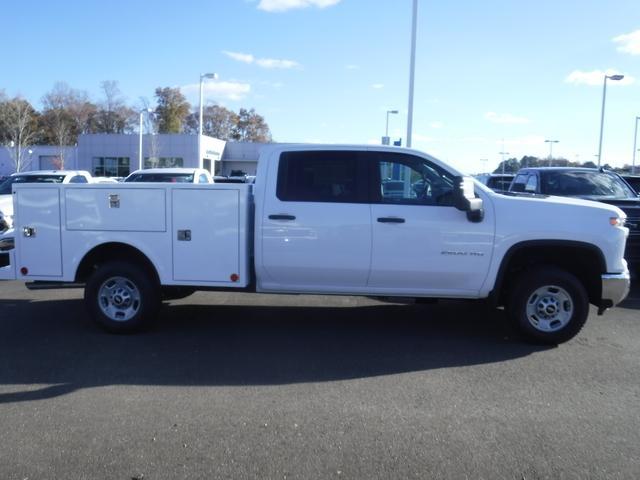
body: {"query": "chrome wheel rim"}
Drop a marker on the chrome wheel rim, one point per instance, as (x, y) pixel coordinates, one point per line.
(119, 299)
(549, 308)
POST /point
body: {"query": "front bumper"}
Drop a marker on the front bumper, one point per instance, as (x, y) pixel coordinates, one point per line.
(615, 288)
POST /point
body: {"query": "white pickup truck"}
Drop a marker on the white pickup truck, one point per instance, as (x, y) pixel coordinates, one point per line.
(323, 220)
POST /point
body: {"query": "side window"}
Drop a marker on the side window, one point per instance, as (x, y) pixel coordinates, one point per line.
(203, 178)
(532, 184)
(78, 179)
(320, 176)
(407, 179)
(519, 183)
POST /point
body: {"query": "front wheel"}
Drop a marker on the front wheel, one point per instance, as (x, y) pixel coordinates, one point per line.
(548, 305)
(122, 297)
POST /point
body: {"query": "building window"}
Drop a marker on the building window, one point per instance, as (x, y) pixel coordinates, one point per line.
(111, 166)
(163, 162)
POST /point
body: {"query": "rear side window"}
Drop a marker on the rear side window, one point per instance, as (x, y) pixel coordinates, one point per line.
(78, 179)
(519, 183)
(321, 176)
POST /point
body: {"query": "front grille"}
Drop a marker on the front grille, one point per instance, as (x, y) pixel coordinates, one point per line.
(633, 224)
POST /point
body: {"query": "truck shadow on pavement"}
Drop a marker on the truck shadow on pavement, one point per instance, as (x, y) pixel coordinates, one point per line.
(53, 343)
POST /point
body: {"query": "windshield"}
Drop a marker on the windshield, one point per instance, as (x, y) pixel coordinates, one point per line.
(5, 187)
(161, 177)
(585, 184)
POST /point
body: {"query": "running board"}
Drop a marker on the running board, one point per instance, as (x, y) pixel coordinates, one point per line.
(42, 285)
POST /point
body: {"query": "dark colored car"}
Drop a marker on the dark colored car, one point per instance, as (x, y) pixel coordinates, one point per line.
(634, 181)
(499, 182)
(590, 184)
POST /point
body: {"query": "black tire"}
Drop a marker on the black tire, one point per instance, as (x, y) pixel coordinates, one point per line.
(548, 305)
(122, 297)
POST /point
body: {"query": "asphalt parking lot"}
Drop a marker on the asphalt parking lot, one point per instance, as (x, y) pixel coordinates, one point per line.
(248, 386)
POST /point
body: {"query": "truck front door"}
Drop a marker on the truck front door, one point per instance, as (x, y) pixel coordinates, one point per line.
(421, 243)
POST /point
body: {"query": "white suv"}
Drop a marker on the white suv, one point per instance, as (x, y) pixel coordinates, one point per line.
(37, 176)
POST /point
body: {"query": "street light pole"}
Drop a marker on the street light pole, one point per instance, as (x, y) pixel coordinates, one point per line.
(142, 112)
(604, 97)
(412, 71)
(635, 144)
(386, 130)
(503, 153)
(551, 142)
(202, 77)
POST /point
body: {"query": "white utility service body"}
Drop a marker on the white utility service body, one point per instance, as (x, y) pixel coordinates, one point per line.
(320, 220)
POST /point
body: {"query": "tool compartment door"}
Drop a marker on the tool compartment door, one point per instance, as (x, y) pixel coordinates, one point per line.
(38, 236)
(206, 235)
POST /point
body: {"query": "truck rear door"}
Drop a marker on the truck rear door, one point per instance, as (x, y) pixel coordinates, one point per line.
(315, 228)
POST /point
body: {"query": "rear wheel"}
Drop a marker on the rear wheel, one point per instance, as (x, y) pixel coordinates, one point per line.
(122, 297)
(548, 305)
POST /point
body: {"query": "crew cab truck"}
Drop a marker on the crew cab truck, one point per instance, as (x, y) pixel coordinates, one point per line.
(319, 220)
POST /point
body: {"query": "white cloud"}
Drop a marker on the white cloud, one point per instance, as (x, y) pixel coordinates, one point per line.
(284, 5)
(629, 42)
(352, 67)
(219, 90)
(436, 124)
(596, 78)
(262, 62)
(377, 86)
(240, 57)
(505, 118)
(276, 63)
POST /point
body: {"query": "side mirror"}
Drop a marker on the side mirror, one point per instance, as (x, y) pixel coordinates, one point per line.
(465, 199)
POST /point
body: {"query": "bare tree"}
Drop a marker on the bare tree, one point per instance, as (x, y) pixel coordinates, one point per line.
(18, 130)
(59, 125)
(113, 115)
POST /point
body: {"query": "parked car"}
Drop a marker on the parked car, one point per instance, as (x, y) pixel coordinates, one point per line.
(37, 176)
(170, 175)
(634, 181)
(589, 184)
(499, 182)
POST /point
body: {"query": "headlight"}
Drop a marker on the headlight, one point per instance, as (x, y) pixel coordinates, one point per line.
(6, 244)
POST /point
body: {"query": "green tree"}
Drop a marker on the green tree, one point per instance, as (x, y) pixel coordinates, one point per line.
(511, 165)
(251, 127)
(217, 121)
(172, 110)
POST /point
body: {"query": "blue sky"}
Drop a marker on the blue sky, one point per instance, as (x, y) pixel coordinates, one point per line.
(328, 70)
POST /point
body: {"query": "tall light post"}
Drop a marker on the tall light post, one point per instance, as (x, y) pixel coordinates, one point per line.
(604, 97)
(412, 71)
(635, 144)
(551, 142)
(142, 112)
(385, 140)
(212, 76)
(503, 153)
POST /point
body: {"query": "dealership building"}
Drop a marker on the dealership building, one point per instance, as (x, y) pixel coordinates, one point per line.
(116, 155)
